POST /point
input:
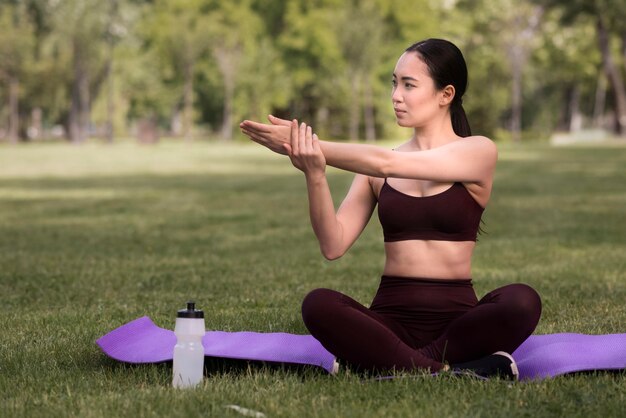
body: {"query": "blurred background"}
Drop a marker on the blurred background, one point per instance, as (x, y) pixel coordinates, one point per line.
(104, 70)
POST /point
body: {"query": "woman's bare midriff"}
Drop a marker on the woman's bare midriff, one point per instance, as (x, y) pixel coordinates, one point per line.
(429, 259)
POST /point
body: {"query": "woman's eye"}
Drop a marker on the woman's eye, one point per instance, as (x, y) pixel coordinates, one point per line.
(394, 83)
(408, 86)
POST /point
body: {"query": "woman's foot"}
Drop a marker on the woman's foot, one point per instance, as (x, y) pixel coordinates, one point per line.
(498, 364)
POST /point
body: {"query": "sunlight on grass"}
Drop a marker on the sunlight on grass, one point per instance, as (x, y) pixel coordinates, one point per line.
(67, 161)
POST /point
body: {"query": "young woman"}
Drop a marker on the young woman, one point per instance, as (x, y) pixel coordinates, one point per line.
(431, 192)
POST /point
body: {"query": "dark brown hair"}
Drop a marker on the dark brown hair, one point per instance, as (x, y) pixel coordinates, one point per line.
(446, 66)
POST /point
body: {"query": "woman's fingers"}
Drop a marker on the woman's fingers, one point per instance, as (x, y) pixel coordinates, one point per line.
(256, 137)
(316, 143)
(278, 121)
(302, 137)
(255, 126)
(265, 140)
(295, 145)
(309, 139)
(253, 136)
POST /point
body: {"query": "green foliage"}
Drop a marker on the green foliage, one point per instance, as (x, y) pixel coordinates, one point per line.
(311, 51)
(16, 40)
(210, 63)
(265, 83)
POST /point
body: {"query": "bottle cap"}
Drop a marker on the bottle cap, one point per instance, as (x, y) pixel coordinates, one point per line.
(190, 312)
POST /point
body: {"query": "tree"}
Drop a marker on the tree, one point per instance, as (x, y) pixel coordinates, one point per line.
(80, 25)
(179, 31)
(341, 55)
(565, 71)
(614, 75)
(475, 27)
(16, 43)
(498, 61)
(312, 54)
(610, 16)
(361, 35)
(234, 33)
(265, 83)
(523, 26)
(111, 33)
(127, 73)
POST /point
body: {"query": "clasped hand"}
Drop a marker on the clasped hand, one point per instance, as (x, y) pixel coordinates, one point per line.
(287, 138)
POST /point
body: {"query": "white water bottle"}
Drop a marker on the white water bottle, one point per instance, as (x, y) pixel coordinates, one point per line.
(188, 352)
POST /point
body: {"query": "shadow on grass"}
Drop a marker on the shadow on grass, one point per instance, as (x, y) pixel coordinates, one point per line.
(217, 367)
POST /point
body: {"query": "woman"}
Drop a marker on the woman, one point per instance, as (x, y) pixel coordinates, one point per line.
(431, 192)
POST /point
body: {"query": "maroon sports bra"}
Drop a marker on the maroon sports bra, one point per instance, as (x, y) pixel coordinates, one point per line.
(452, 215)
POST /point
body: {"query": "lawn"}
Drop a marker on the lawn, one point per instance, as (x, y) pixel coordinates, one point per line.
(94, 236)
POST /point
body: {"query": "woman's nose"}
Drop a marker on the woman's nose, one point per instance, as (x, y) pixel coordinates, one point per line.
(395, 96)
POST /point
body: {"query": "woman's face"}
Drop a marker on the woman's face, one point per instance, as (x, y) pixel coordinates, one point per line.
(414, 96)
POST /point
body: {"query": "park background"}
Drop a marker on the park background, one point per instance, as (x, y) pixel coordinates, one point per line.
(79, 69)
(126, 189)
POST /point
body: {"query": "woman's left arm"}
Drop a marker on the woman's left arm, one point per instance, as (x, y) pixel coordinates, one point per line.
(471, 160)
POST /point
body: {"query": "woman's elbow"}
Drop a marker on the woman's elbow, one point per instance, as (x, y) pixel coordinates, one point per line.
(380, 165)
(384, 168)
(331, 254)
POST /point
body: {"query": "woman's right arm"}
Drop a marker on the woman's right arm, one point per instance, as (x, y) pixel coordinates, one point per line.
(335, 232)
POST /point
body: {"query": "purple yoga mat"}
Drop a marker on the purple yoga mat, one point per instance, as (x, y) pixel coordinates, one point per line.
(141, 341)
(540, 356)
(550, 355)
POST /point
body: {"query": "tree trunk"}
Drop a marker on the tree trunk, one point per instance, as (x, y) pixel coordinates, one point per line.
(79, 107)
(73, 123)
(516, 95)
(227, 61)
(36, 125)
(227, 118)
(575, 117)
(562, 122)
(613, 75)
(321, 121)
(600, 101)
(188, 101)
(14, 115)
(368, 113)
(355, 109)
(85, 106)
(524, 28)
(624, 46)
(108, 128)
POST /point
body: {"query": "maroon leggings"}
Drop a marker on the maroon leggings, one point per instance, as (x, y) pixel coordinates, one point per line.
(421, 323)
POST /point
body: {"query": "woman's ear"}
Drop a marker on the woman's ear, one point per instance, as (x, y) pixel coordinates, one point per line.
(447, 95)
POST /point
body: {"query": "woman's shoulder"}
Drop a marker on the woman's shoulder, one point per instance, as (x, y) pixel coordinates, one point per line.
(480, 144)
(480, 139)
(475, 143)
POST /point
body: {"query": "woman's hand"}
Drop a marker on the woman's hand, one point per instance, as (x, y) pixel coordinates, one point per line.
(274, 136)
(304, 150)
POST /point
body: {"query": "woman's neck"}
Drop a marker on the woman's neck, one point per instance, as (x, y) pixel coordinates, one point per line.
(433, 135)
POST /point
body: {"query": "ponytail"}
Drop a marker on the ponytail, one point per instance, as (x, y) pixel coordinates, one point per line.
(460, 124)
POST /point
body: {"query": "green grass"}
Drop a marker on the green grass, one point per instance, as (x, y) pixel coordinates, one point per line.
(94, 236)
